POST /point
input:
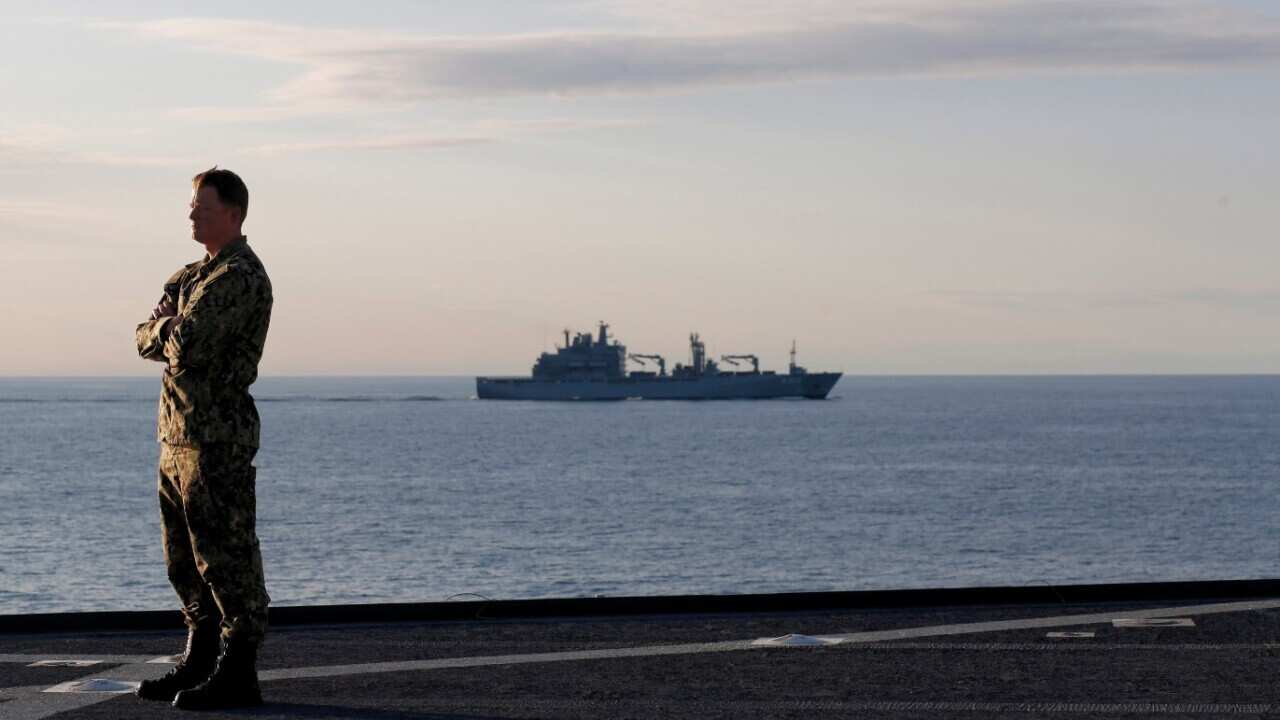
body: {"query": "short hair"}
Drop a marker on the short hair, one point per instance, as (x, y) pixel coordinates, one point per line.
(230, 188)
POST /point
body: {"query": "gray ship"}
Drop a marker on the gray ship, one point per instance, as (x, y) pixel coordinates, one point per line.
(594, 368)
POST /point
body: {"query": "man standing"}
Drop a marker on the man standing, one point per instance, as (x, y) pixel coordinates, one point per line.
(209, 329)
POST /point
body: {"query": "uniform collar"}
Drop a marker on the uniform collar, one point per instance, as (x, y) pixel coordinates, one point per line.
(236, 247)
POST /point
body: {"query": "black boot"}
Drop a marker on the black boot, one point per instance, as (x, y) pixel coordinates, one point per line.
(234, 682)
(197, 662)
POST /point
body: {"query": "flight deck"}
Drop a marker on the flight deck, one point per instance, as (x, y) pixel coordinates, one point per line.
(1171, 650)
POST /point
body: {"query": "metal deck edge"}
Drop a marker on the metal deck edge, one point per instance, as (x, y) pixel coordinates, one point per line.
(1039, 594)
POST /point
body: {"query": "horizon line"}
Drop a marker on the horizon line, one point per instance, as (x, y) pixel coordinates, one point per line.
(1031, 374)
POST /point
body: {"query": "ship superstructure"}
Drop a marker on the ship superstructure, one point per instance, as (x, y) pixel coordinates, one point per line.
(594, 367)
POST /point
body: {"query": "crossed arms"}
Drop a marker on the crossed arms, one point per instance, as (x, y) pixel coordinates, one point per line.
(193, 337)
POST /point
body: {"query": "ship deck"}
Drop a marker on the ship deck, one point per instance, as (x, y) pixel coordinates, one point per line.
(1184, 650)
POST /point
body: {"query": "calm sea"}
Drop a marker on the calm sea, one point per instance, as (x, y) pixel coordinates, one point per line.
(405, 489)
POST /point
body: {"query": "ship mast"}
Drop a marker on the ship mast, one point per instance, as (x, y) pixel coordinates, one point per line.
(698, 353)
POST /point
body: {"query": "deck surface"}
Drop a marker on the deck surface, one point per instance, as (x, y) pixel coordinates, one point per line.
(1201, 658)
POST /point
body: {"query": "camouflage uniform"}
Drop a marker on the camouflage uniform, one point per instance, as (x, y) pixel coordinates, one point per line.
(208, 428)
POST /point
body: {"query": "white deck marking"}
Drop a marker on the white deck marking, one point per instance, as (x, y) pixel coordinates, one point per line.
(1152, 622)
(1064, 646)
(793, 640)
(105, 659)
(1057, 621)
(38, 705)
(878, 636)
(95, 685)
(488, 660)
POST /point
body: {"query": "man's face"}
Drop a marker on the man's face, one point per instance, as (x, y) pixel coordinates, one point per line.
(212, 222)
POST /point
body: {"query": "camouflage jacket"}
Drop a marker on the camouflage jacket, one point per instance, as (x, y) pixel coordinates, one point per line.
(211, 349)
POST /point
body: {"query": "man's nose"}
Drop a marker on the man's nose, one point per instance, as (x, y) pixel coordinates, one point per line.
(191, 215)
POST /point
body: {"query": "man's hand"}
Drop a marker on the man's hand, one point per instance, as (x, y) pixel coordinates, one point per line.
(164, 308)
(166, 311)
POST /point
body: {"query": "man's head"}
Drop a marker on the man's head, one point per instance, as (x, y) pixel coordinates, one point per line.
(219, 203)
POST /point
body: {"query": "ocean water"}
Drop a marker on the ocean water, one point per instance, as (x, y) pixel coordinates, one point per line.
(406, 489)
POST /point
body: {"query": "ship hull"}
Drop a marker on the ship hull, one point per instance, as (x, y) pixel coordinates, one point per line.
(760, 386)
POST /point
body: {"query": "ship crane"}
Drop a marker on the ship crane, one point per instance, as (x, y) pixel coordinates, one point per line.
(662, 364)
(733, 360)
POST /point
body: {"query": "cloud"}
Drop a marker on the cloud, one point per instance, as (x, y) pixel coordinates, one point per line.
(482, 133)
(126, 159)
(40, 221)
(758, 43)
(1261, 300)
(763, 15)
(392, 142)
(44, 144)
(252, 114)
(40, 210)
(1267, 300)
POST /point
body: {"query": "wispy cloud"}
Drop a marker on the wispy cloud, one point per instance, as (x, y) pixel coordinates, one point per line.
(274, 112)
(51, 144)
(40, 210)
(480, 133)
(393, 142)
(763, 15)
(39, 221)
(128, 159)
(1263, 299)
(773, 42)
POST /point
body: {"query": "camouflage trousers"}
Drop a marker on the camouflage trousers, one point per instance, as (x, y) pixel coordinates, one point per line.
(207, 512)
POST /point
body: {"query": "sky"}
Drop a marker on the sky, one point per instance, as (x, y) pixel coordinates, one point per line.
(439, 188)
